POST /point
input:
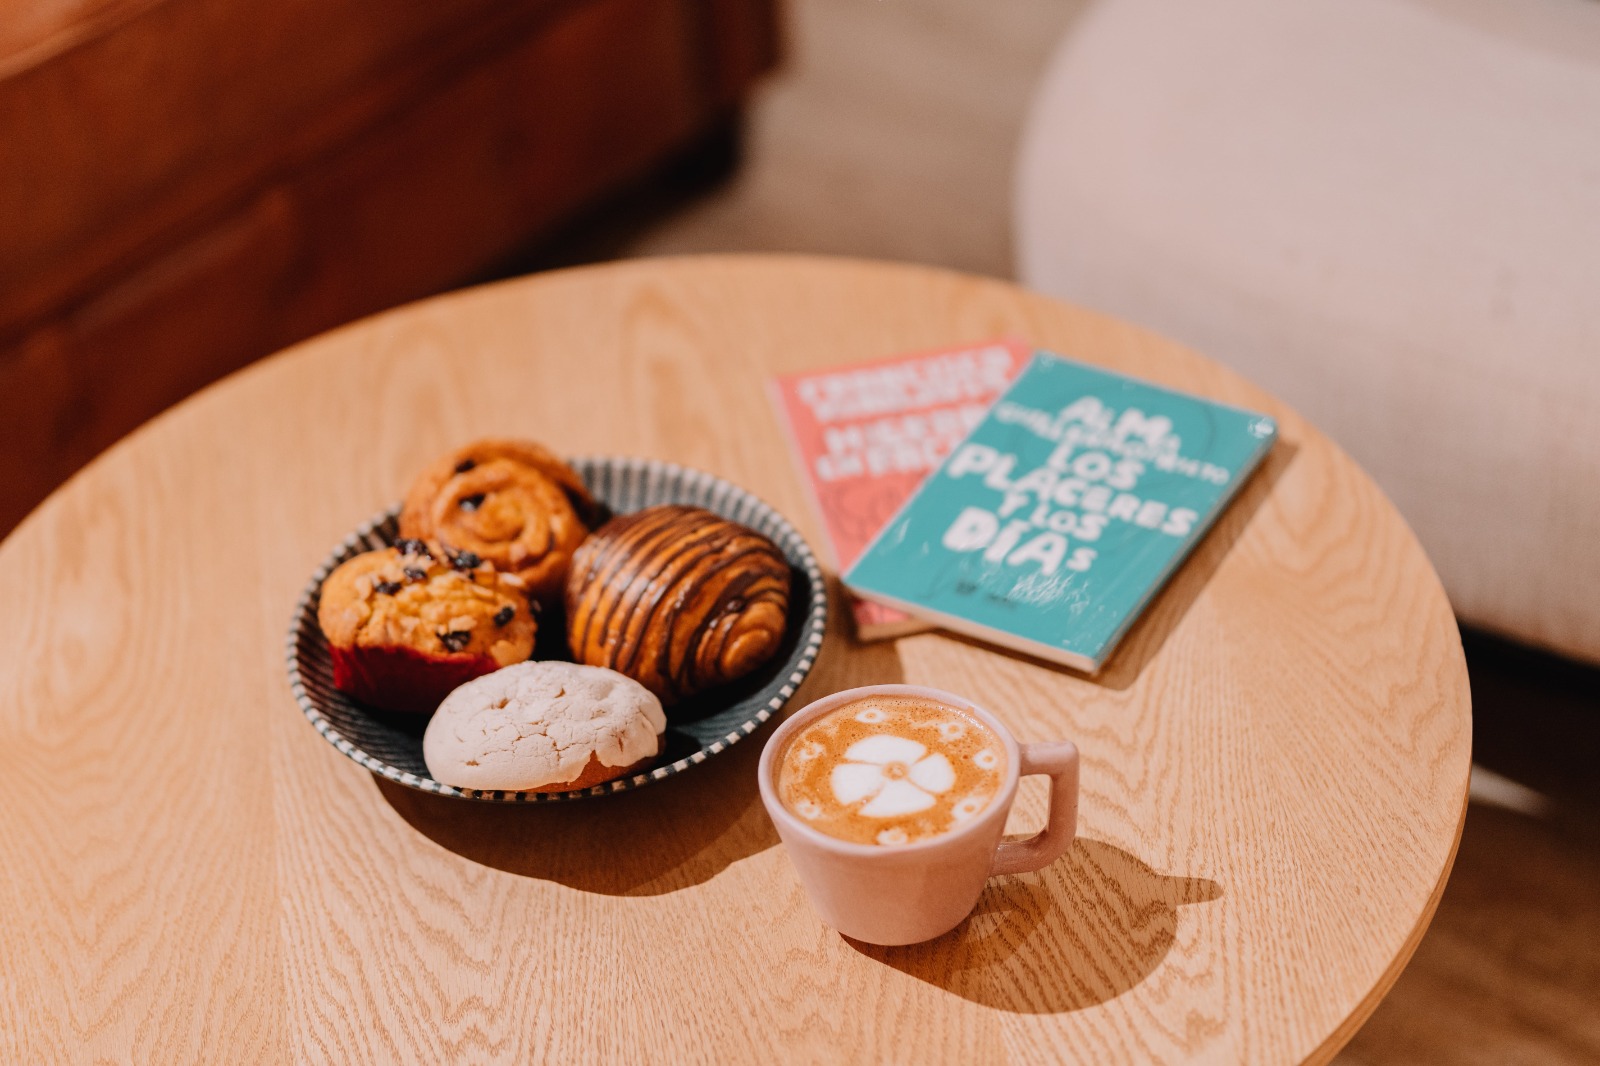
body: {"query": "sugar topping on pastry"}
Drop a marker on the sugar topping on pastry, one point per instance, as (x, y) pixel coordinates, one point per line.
(543, 727)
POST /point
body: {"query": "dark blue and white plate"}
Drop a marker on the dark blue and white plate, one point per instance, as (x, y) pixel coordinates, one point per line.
(390, 745)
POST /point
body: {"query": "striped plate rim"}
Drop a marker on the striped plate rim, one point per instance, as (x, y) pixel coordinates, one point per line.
(625, 484)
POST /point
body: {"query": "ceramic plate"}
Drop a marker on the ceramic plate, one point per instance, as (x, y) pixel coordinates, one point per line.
(390, 745)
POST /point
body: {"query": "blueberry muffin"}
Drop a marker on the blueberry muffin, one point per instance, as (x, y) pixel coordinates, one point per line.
(406, 625)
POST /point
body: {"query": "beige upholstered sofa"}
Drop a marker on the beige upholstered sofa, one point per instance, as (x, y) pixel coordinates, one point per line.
(1386, 211)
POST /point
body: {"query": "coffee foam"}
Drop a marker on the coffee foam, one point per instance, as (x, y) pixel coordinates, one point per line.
(891, 770)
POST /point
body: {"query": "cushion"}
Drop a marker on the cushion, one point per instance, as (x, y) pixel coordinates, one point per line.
(1385, 211)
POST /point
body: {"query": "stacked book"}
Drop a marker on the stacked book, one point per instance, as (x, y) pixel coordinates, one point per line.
(1015, 496)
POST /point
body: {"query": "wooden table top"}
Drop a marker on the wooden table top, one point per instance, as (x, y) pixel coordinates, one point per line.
(1274, 776)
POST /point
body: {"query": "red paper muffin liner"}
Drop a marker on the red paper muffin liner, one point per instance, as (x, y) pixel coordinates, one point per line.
(401, 679)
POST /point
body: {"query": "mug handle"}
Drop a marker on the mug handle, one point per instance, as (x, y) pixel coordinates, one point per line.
(1060, 761)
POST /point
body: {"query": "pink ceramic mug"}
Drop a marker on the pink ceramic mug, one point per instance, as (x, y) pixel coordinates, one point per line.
(915, 892)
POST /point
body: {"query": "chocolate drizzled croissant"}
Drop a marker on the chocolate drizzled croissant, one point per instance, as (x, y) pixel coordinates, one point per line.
(511, 503)
(678, 599)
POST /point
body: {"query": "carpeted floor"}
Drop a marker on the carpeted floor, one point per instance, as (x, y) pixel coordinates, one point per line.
(891, 133)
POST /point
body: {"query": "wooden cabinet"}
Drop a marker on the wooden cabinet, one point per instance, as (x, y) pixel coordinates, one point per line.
(190, 184)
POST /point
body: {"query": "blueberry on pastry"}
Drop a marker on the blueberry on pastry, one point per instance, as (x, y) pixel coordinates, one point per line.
(408, 624)
(677, 598)
(512, 503)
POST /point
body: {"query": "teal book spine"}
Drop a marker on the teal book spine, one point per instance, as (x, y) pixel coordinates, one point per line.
(1052, 525)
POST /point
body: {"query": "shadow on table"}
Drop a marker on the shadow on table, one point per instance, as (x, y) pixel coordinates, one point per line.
(1075, 935)
(1150, 632)
(679, 832)
(661, 838)
(1144, 641)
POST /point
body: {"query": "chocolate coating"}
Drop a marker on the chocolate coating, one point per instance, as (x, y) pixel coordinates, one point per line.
(677, 598)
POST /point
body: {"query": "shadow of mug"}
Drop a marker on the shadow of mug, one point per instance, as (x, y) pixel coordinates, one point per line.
(1077, 934)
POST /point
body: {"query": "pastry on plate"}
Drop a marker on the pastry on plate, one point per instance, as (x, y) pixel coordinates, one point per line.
(543, 727)
(677, 598)
(512, 503)
(406, 625)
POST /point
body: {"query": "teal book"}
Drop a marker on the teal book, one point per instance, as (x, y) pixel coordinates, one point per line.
(1053, 524)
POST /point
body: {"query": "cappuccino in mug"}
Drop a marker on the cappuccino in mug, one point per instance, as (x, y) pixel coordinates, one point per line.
(891, 770)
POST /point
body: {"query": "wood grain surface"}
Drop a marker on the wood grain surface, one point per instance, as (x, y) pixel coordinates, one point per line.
(1275, 762)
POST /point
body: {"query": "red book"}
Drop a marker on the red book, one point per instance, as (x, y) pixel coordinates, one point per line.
(865, 436)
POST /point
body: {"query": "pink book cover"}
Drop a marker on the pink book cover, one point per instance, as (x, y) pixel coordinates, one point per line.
(865, 436)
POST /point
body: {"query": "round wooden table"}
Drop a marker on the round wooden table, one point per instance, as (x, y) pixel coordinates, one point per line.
(1275, 761)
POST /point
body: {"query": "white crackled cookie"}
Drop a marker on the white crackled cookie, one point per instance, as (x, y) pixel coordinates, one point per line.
(543, 727)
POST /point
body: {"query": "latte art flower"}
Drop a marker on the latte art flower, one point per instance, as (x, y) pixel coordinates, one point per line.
(968, 808)
(895, 776)
(891, 771)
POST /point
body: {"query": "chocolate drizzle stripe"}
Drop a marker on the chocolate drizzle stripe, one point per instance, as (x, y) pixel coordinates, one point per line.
(692, 668)
(612, 547)
(628, 549)
(644, 533)
(649, 596)
(682, 675)
(667, 576)
(684, 576)
(684, 585)
(614, 537)
(768, 589)
(585, 612)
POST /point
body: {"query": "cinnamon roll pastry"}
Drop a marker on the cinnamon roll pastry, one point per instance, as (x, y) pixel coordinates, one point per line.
(677, 598)
(512, 503)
